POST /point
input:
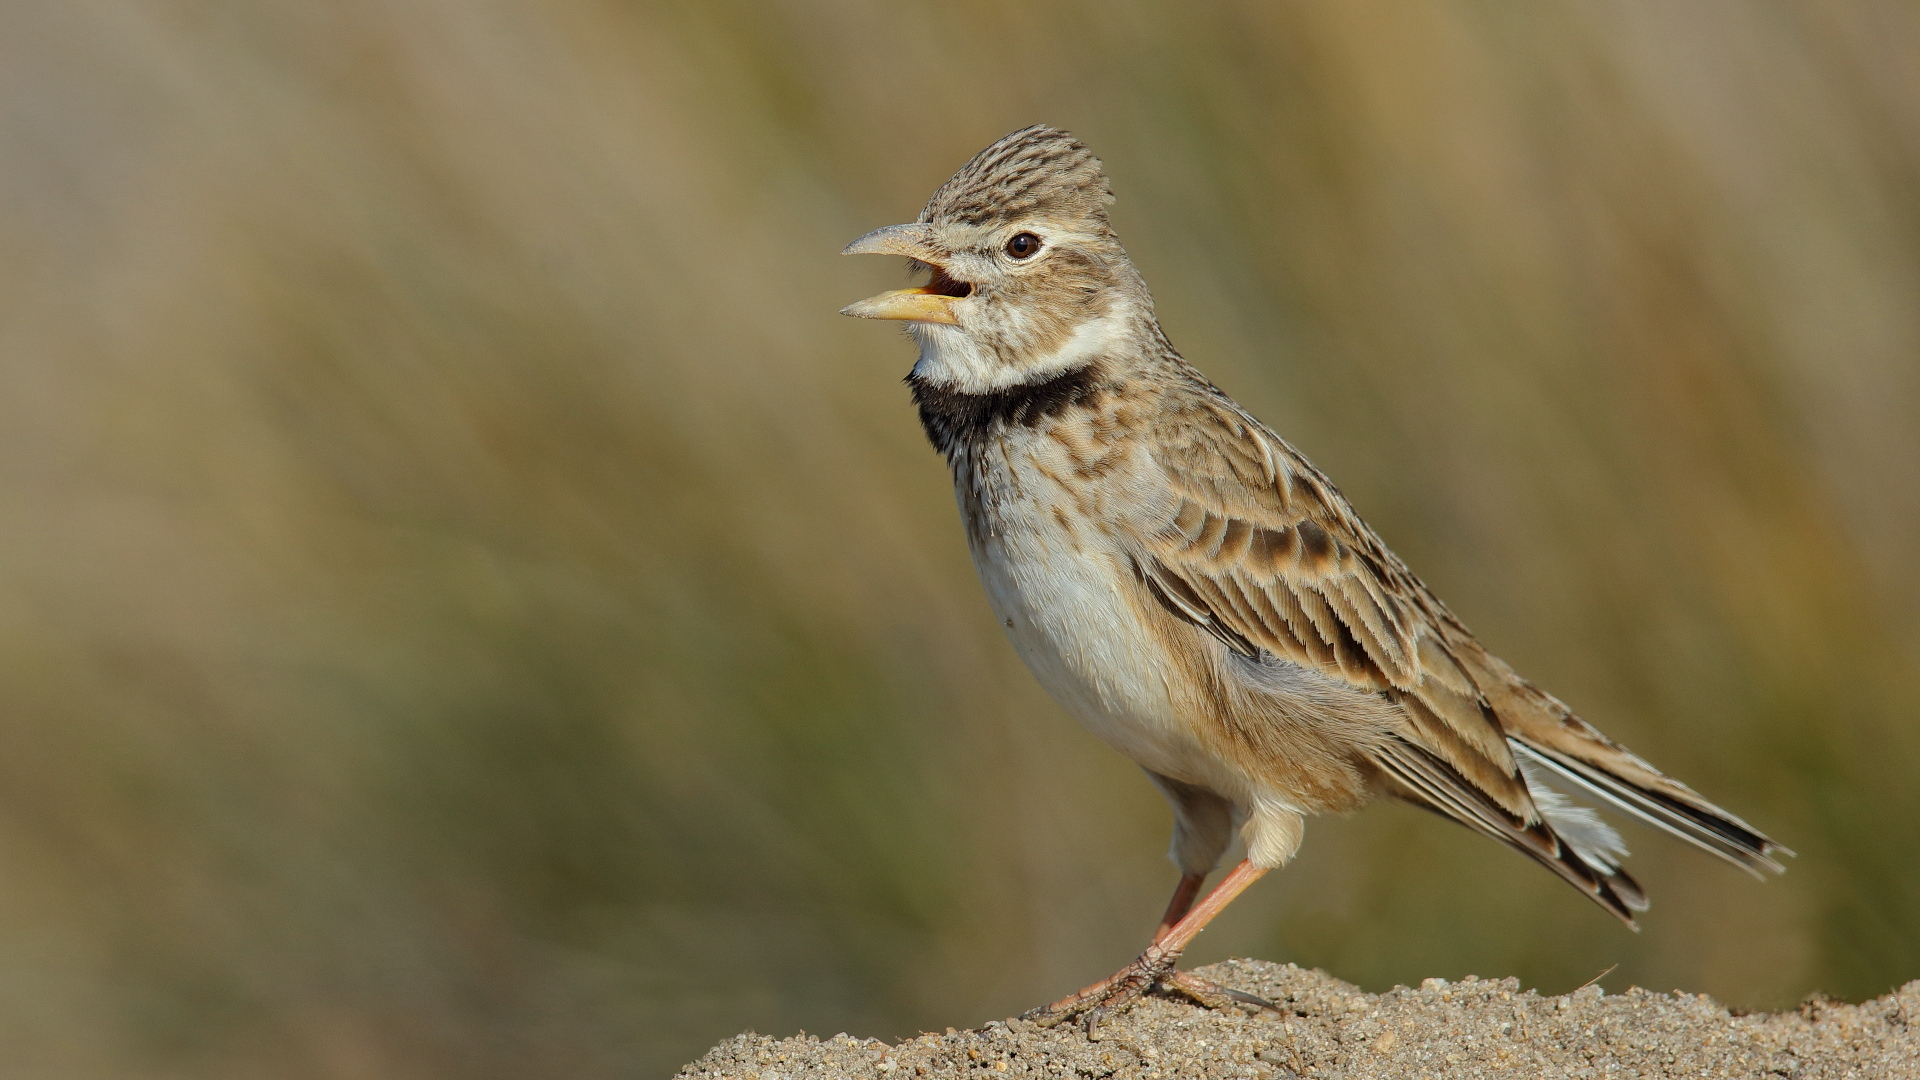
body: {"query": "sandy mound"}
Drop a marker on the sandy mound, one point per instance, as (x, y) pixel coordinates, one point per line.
(1329, 1029)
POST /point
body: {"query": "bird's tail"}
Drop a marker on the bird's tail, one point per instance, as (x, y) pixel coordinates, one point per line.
(1637, 788)
(1569, 840)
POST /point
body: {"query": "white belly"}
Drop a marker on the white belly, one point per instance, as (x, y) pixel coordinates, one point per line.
(1062, 607)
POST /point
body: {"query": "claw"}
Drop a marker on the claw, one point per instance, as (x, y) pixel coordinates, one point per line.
(1211, 994)
(1049, 1016)
(1138, 978)
(1112, 995)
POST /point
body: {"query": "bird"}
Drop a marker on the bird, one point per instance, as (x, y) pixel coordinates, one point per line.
(1194, 592)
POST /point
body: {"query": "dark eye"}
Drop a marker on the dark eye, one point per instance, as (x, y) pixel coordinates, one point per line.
(1023, 246)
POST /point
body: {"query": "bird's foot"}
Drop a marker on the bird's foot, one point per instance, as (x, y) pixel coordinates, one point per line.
(1109, 995)
(1212, 994)
(1154, 969)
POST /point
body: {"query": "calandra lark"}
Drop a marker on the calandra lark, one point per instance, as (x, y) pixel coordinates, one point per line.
(1197, 594)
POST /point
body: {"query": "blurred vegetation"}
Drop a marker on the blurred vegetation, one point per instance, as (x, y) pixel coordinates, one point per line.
(469, 607)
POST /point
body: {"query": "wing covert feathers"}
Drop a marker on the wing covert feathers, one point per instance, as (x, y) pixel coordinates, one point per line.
(1261, 551)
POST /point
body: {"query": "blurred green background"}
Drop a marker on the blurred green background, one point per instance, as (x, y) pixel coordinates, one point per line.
(470, 608)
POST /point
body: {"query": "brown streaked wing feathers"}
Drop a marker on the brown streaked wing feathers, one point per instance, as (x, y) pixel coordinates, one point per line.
(1275, 557)
(1264, 553)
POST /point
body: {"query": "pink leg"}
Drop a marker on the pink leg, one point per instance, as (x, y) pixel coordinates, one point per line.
(1183, 896)
(1156, 963)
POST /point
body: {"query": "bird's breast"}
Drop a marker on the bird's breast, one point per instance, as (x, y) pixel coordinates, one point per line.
(1062, 586)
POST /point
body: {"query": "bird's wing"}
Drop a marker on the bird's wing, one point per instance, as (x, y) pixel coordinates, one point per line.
(1263, 552)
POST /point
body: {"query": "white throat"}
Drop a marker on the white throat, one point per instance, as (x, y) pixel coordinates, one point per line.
(950, 357)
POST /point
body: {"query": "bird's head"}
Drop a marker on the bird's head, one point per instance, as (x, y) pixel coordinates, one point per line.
(1027, 279)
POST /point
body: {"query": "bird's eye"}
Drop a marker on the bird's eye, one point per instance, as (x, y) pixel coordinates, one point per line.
(1023, 246)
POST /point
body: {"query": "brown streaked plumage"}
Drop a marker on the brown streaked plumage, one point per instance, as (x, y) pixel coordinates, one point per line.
(1197, 594)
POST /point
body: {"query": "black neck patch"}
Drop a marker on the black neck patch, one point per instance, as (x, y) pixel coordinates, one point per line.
(952, 417)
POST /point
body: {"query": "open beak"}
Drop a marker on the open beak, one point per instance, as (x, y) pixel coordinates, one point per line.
(930, 303)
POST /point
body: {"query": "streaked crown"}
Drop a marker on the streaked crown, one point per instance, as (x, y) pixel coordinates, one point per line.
(1035, 169)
